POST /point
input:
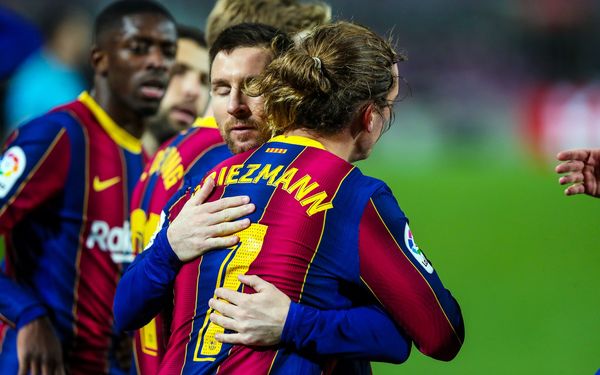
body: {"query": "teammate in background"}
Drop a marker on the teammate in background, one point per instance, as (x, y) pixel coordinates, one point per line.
(295, 180)
(289, 16)
(187, 94)
(65, 182)
(583, 171)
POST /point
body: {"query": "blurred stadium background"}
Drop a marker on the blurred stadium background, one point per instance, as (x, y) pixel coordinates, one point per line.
(496, 89)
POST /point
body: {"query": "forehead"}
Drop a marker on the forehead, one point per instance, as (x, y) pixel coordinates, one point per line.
(191, 54)
(147, 25)
(240, 63)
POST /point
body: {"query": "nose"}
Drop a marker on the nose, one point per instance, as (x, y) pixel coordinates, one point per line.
(191, 85)
(157, 60)
(237, 105)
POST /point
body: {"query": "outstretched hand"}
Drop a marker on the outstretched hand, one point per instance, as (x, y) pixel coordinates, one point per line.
(257, 319)
(201, 226)
(583, 171)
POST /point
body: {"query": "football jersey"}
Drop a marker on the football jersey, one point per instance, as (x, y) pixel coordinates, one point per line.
(324, 234)
(195, 150)
(65, 184)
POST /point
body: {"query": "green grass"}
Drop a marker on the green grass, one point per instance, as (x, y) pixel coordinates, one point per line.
(520, 257)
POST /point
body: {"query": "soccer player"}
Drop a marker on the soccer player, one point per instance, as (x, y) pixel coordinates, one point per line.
(290, 16)
(583, 171)
(320, 259)
(65, 185)
(201, 147)
(187, 95)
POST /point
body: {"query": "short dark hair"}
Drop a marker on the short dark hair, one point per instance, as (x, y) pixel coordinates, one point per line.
(192, 33)
(251, 35)
(111, 16)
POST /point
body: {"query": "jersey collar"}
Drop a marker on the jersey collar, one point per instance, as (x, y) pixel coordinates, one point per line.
(205, 122)
(297, 140)
(117, 133)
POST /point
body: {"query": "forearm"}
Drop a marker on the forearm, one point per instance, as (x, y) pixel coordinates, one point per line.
(147, 284)
(365, 332)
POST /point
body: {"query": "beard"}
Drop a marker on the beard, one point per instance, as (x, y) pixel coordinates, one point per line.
(256, 135)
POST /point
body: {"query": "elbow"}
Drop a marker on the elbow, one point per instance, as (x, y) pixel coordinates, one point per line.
(399, 356)
(444, 349)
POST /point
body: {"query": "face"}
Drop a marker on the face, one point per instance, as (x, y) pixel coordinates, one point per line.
(240, 118)
(187, 93)
(136, 60)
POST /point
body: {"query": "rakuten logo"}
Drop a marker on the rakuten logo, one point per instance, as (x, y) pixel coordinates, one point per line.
(116, 240)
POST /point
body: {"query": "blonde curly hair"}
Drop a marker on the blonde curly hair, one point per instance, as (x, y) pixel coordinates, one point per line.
(323, 82)
(289, 16)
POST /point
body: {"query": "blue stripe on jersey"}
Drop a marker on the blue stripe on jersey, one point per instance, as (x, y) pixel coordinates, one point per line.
(341, 223)
(134, 170)
(209, 160)
(50, 270)
(208, 270)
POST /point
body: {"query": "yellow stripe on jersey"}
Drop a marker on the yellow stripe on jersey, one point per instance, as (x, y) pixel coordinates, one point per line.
(117, 133)
(205, 122)
(298, 140)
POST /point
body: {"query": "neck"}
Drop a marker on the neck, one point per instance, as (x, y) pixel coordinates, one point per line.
(150, 143)
(125, 117)
(340, 144)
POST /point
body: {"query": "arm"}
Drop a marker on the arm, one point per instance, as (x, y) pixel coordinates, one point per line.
(583, 171)
(396, 271)
(196, 228)
(34, 167)
(268, 317)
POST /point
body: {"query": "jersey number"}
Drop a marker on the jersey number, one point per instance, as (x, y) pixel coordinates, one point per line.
(235, 263)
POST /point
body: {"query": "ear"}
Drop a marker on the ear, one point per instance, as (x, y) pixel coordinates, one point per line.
(368, 117)
(99, 61)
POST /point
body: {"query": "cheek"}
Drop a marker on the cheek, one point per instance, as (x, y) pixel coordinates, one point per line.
(219, 107)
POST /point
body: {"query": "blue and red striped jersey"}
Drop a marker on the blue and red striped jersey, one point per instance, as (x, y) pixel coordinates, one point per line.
(65, 185)
(195, 151)
(323, 233)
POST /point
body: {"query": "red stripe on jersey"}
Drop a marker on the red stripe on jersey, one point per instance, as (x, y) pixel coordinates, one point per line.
(404, 291)
(186, 290)
(243, 360)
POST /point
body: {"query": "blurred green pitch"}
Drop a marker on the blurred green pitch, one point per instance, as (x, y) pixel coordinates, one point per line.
(521, 258)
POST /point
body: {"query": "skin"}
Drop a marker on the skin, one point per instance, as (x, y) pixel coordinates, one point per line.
(187, 94)
(132, 66)
(240, 117)
(38, 349)
(582, 168)
(201, 226)
(258, 319)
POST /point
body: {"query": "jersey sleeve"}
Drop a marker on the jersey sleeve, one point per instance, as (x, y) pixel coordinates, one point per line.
(18, 305)
(364, 332)
(399, 275)
(146, 286)
(33, 168)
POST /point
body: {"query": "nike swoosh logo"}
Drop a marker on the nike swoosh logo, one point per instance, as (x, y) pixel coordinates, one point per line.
(103, 185)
